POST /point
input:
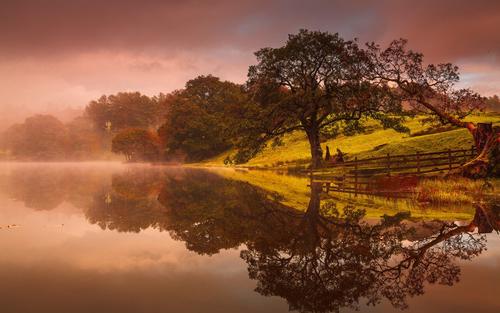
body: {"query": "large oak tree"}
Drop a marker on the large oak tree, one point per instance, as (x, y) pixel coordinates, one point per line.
(316, 80)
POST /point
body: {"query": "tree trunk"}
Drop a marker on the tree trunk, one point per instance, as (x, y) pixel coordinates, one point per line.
(314, 199)
(310, 224)
(316, 151)
(487, 217)
(486, 140)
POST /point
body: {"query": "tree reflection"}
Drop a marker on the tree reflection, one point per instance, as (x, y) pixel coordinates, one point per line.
(39, 189)
(130, 203)
(204, 210)
(211, 213)
(45, 187)
(337, 260)
(320, 260)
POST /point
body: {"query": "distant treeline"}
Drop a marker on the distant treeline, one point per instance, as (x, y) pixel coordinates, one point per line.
(190, 124)
(186, 125)
(492, 103)
(87, 137)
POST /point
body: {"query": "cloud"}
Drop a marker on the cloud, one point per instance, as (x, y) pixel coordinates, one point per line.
(56, 53)
(447, 30)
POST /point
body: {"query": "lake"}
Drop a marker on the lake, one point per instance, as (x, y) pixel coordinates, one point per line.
(109, 237)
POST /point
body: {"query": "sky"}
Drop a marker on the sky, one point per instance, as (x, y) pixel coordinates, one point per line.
(57, 55)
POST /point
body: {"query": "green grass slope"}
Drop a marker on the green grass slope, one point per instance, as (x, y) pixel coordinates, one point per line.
(295, 148)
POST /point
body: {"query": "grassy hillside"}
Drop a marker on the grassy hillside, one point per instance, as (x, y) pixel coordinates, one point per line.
(378, 142)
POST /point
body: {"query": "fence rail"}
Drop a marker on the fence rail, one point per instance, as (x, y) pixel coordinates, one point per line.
(417, 163)
(372, 176)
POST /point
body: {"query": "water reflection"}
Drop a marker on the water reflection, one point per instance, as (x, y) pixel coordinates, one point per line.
(45, 187)
(318, 259)
(130, 203)
(332, 260)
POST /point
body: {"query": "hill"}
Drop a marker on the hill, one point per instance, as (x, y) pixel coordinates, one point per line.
(376, 141)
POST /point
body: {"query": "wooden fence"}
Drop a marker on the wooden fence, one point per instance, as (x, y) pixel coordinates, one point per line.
(373, 175)
(382, 186)
(417, 163)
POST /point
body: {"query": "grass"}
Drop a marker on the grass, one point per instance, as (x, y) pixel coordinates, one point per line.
(453, 191)
(295, 148)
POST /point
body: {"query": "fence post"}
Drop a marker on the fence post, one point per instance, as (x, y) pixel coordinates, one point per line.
(355, 176)
(388, 164)
(449, 159)
(418, 162)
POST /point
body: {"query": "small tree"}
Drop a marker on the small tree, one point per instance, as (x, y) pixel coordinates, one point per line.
(136, 145)
(316, 80)
(430, 90)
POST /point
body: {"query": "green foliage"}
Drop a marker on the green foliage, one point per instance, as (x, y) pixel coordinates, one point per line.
(126, 110)
(201, 117)
(136, 144)
(316, 81)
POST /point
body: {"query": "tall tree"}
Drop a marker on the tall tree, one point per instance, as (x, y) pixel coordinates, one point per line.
(126, 110)
(197, 121)
(430, 89)
(316, 80)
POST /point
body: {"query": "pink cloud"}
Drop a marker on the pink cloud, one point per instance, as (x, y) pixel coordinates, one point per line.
(59, 53)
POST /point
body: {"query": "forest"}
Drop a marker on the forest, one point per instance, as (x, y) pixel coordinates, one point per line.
(317, 85)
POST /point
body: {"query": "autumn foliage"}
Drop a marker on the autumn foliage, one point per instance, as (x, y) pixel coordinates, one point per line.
(136, 145)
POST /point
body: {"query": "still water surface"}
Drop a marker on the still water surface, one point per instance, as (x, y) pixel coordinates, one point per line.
(101, 237)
